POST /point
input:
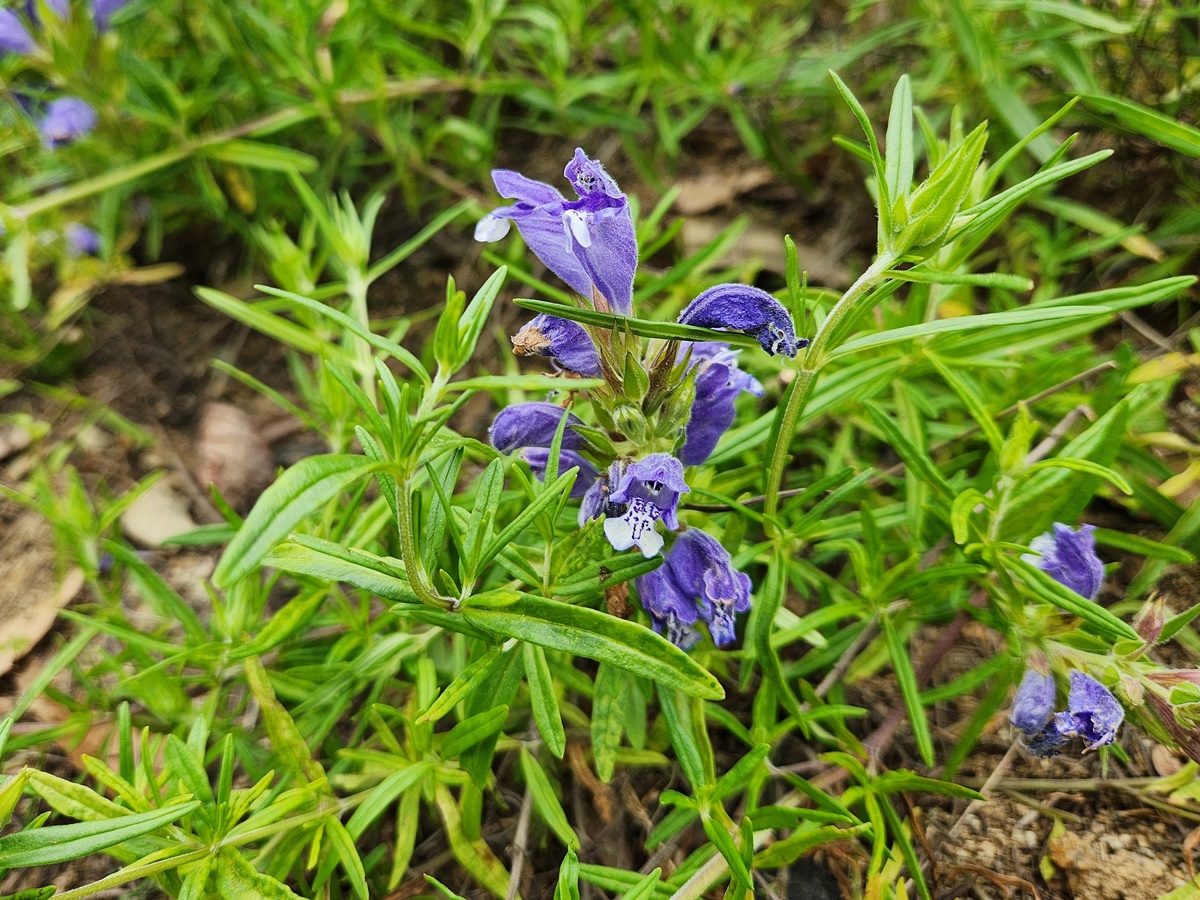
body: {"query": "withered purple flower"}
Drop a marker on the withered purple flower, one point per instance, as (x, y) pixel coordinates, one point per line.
(533, 425)
(589, 243)
(1034, 703)
(1069, 557)
(1093, 713)
(740, 307)
(639, 495)
(67, 119)
(718, 383)
(567, 343)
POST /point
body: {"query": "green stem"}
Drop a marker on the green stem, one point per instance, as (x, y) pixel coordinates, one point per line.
(413, 567)
(356, 290)
(806, 377)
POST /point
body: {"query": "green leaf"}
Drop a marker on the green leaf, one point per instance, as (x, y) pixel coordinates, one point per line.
(1060, 495)
(917, 461)
(1010, 319)
(184, 766)
(960, 513)
(475, 317)
(343, 845)
(641, 327)
(476, 857)
(358, 329)
(465, 682)
(586, 632)
(899, 142)
(599, 574)
(273, 326)
(236, 879)
(906, 679)
(1149, 123)
(1082, 465)
(59, 843)
(471, 731)
(971, 398)
(801, 841)
(287, 743)
(298, 493)
(1067, 600)
(307, 555)
(543, 699)
(546, 801)
(159, 595)
(900, 780)
(608, 717)
(384, 795)
(259, 155)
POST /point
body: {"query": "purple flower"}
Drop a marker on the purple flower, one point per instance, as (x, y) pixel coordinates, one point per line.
(539, 457)
(718, 383)
(1034, 704)
(81, 240)
(533, 425)
(646, 491)
(67, 119)
(1069, 557)
(1093, 714)
(589, 243)
(697, 581)
(14, 36)
(103, 10)
(564, 341)
(672, 613)
(739, 307)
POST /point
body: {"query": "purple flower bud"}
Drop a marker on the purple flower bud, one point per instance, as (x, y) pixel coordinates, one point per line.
(718, 384)
(672, 613)
(103, 10)
(67, 119)
(646, 491)
(81, 240)
(1093, 714)
(564, 341)
(14, 36)
(1069, 557)
(1034, 704)
(739, 307)
(704, 571)
(533, 425)
(589, 243)
(539, 457)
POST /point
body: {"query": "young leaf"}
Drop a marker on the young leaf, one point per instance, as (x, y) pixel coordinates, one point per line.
(546, 801)
(543, 700)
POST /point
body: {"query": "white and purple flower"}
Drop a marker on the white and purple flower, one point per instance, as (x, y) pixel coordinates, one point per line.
(640, 494)
(589, 243)
(15, 36)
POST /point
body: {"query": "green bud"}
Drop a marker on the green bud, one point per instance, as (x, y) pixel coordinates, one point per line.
(933, 206)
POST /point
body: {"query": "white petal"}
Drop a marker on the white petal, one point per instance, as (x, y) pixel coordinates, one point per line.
(650, 542)
(619, 533)
(575, 221)
(491, 228)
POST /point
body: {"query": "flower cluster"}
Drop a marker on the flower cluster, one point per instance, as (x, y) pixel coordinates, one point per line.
(1093, 713)
(631, 469)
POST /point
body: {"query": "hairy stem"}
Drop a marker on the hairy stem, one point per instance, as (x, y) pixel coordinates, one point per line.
(806, 377)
